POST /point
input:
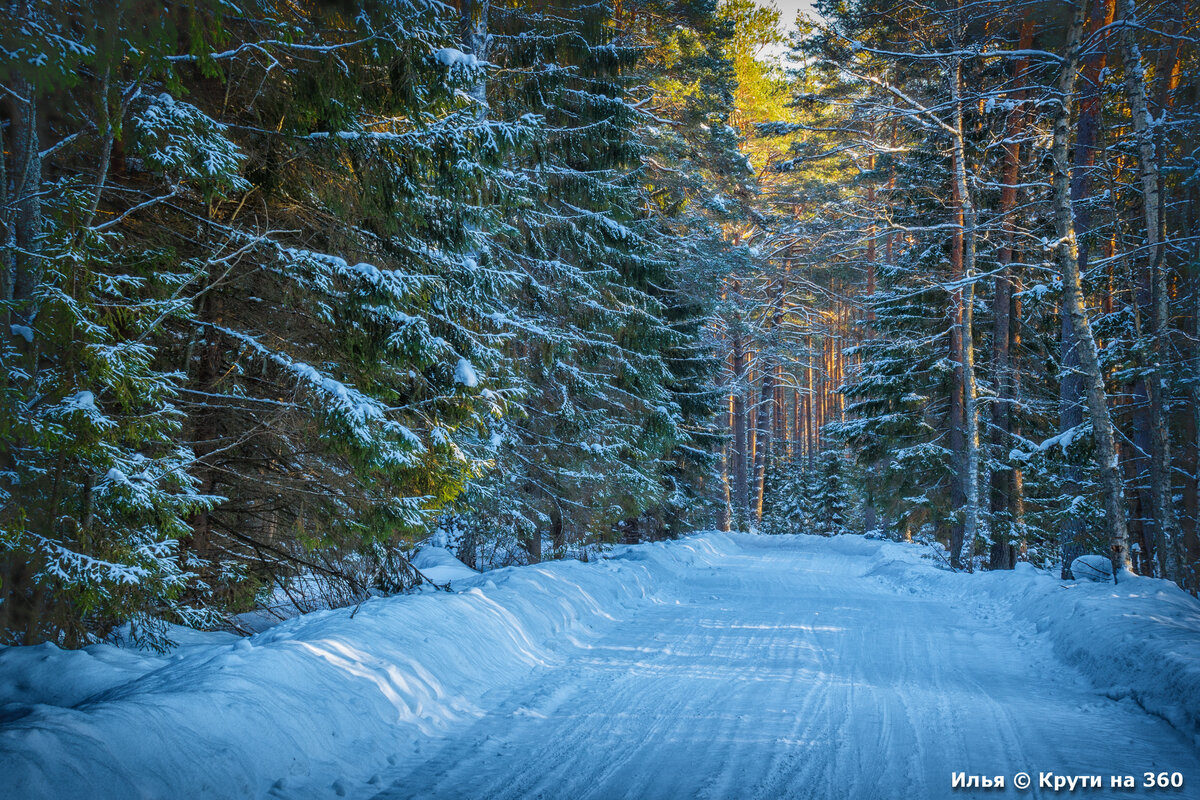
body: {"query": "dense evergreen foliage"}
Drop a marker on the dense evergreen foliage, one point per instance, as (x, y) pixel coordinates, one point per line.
(287, 289)
(1000, 199)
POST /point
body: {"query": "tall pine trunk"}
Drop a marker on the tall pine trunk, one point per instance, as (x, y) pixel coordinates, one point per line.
(762, 451)
(768, 411)
(963, 264)
(22, 603)
(741, 486)
(1073, 307)
(1071, 392)
(1166, 532)
(1006, 482)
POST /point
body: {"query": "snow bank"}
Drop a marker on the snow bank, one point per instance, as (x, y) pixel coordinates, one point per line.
(301, 706)
(1139, 639)
(323, 704)
(440, 565)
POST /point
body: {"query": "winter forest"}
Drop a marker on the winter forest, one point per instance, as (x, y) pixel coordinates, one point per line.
(289, 287)
(599, 398)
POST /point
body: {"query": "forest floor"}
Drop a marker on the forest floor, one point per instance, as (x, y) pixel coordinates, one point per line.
(717, 667)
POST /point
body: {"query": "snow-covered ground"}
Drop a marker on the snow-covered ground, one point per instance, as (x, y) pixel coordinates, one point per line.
(715, 667)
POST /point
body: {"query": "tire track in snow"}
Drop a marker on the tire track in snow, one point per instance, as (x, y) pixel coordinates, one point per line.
(788, 673)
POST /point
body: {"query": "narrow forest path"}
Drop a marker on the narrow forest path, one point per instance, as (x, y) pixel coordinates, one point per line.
(789, 672)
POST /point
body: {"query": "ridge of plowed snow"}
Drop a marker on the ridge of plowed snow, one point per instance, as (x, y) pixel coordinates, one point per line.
(328, 696)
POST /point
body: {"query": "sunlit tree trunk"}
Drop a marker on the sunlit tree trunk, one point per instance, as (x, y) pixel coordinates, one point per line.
(725, 512)
(963, 264)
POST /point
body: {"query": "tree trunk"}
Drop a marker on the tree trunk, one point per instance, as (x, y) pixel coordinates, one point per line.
(762, 450)
(964, 428)
(1166, 530)
(26, 201)
(768, 412)
(965, 215)
(1190, 576)
(724, 513)
(777, 409)
(1073, 307)
(558, 534)
(811, 417)
(534, 547)
(1005, 481)
(871, 234)
(1016, 498)
(741, 488)
(1071, 391)
(22, 603)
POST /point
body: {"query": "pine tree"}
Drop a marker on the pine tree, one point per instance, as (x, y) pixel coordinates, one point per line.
(830, 497)
(95, 487)
(255, 327)
(602, 334)
(789, 507)
(362, 303)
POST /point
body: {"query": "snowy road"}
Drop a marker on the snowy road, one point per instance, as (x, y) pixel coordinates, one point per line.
(788, 672)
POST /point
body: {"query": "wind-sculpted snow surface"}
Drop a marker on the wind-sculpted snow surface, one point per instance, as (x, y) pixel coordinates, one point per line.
(718, 667)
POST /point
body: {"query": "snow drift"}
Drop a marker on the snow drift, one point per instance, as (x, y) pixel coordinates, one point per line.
(291, 708)
(1139, 639)
(326, 703)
